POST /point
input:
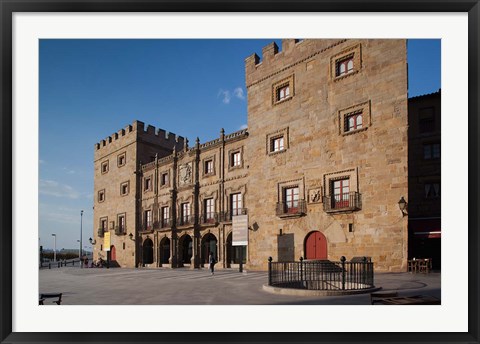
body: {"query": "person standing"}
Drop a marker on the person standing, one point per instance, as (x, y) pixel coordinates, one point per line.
(211, 261)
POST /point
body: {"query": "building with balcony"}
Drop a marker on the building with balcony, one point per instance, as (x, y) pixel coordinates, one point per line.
(318, 173)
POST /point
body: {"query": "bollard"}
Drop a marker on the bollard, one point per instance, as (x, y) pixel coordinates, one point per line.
(343, 271)
(49, 266)
(269, 270)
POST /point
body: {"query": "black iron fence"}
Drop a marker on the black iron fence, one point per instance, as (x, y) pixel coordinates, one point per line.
(286, 209)
(321, 274)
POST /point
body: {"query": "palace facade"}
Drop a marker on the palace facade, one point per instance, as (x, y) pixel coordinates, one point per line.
(318, 173)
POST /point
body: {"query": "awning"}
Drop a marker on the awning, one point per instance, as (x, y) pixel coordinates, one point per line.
(425, 228)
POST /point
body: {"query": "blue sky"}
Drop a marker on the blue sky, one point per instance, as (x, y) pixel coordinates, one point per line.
(90, 89)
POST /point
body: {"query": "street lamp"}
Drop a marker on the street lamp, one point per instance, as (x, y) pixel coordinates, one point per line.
(403, 205)
(81, 219)
(54, 247)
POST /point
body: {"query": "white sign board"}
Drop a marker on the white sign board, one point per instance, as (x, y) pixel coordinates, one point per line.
(240, 230)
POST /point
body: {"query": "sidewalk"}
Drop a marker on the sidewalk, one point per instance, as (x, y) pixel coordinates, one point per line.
(199, 287)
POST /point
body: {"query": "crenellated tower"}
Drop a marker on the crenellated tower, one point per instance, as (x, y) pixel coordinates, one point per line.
(117, 160)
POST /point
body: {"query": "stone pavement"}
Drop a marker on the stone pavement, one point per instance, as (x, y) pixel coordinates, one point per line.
(198, 287)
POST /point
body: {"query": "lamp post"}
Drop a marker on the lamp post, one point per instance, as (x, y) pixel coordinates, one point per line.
(54, 247)
(81, 219)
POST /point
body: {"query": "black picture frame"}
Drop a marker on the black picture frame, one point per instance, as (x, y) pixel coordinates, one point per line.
(9, 7)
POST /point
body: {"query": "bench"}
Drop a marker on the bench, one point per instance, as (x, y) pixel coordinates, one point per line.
(378, 297)
(57, 296)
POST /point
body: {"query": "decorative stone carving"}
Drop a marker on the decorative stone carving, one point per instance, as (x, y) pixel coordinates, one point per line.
(185, 174)
(315, 195)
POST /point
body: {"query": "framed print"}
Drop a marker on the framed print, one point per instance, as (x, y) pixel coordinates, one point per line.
(312, 166)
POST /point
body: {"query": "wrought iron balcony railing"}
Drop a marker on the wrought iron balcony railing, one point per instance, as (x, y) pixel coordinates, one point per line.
(226, 216)
(346, 202)
(186, 220)
(286, 209)
(209, 218)
(100, 232)
(120, 230)
(147, 228)
(165, 223)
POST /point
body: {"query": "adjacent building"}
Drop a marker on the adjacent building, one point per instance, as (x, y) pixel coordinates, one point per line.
(318, 173)
(424, 207)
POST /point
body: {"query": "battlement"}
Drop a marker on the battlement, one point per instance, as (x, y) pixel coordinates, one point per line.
(151, 134)
(293, 51)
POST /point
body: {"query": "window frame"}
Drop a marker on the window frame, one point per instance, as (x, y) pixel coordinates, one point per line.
(122, 227)
(122, 156)
(122, 185)
(164, 179)
(279, 134)
(147, 180)
(353, 54)
(286, 83)
(164, 220)
(101, 196)
(104, 167)
(343, 115)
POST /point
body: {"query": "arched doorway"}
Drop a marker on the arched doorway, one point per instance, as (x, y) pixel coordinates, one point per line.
(148, 251)
(185, 249)
(164, 250)
(209, 244)
(316, 246)
(113, 253)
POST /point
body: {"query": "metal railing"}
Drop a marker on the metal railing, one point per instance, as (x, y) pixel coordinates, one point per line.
(321, 274)
(164, 223)
(345, 202)
(100, 232)
(226, 216)
(120, 230)
(284, 209)
(208, 218)
(186, 220)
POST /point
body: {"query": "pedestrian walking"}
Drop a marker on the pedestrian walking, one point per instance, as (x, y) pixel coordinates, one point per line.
(211, 261)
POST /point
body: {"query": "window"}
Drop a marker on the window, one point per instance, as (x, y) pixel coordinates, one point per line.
(185, 212)
(121, 160)
(344, 66)
(123, 245)
(103, 226)
(147, 220)
(124, 188)
(353, 121)
(121, 224)
(426, 120)
(346, 63)
(432, 190)
(209, 206)
(101, 195)
(165, 216)
(340, 193)
(290, 199)
(164, 179)
(236, 204)
(148, 184)
(208, 168)
(104, 167)
(277, 144)
(282, 90)
(431, 151)
(235, 159)
(277, 141)
(354, 118)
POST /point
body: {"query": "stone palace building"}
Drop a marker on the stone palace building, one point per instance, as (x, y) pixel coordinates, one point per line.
(318, 174)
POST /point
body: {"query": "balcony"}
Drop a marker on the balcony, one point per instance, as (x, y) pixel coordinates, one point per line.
(100, 232)
(163, 224)
(348, 202)
(146, 228)
(226, 216)
(284, 210)
(120, 230)
(184, 221)
(209, 219)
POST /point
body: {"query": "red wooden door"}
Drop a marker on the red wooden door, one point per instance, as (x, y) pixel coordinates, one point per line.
(316, 246)
(113, 254)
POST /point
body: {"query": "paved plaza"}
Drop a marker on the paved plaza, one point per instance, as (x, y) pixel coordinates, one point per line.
(198, 287)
